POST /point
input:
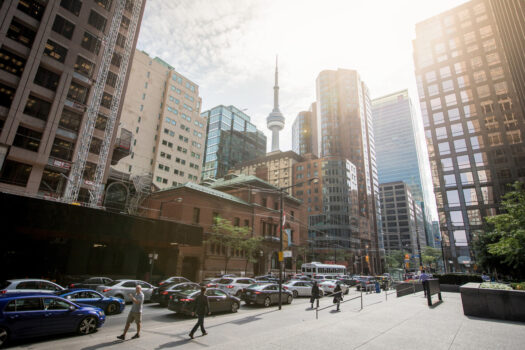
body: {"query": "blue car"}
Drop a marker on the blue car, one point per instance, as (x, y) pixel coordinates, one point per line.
(110, 305)
(25, 315)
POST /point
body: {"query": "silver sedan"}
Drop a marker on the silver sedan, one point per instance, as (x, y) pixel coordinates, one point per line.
(301, 288)
(122, 288)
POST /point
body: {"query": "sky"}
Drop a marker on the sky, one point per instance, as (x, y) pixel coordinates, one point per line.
(228, 48)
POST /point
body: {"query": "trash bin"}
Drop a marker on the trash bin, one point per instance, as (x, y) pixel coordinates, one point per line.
(378, 288)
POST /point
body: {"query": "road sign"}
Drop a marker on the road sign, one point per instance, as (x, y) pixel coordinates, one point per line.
(287, 254)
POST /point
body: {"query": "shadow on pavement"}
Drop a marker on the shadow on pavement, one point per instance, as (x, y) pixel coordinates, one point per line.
(106, 344)
(247, 319)
(173, 344)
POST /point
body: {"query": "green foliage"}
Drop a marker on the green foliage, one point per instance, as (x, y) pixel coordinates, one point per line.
(489, 285)
(503, 246)
(518, 286)
(431, 256)
(395, 259)
(233, 238)
(458, 279)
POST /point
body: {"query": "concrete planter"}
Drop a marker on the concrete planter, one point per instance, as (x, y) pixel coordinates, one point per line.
(492, 303)
(403, 289)
(450, 288)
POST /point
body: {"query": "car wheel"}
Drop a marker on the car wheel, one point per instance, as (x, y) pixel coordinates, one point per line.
(234, 307)
(3, 336)
(120, 296)
(267, 302)
(289, 299)
(238, 294)
(87, 325)
(295, 294)
(112, 308)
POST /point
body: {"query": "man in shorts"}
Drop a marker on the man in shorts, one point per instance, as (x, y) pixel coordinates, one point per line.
(135, 314)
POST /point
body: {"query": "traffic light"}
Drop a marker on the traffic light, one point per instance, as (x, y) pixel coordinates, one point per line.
(407, 256)
(366, 258)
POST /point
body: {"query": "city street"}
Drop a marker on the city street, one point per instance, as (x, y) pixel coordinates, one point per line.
(406, 322)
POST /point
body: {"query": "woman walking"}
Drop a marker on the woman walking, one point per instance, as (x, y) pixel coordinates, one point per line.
(338, 296)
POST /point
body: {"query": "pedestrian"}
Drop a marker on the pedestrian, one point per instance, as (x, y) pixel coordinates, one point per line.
(315, 295)
(338, 296)
(485, 277)
(201, 308)
(424, 278)
(135, 314)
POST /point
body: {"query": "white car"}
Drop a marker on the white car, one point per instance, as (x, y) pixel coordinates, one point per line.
(300, 288)
(27, 285)
(122, 288)
(329, 286)
(234, 285)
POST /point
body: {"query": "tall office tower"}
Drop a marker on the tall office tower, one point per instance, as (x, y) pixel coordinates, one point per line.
(331, 206)
(60, 89)
(275, 120)
(510, 17)
(401, 152)
(344, 126)
(402, 220)
(231, 140)
(162, 109)
(473, 119)
(304, 132)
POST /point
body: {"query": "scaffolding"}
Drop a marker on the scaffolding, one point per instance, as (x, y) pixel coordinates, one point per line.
(76, 177)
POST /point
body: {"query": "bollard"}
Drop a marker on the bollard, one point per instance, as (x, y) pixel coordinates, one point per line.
(386, 295)
(414, 288)
(361, 298)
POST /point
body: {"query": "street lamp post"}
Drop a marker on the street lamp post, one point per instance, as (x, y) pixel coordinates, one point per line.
(281, 259)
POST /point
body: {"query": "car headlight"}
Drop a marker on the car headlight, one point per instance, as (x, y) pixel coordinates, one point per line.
(100, 313)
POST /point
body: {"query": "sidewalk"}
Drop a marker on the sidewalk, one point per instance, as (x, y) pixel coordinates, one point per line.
(400, 323)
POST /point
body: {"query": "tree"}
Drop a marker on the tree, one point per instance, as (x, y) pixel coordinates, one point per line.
(251, 246)
(395, 259)
(506, 239)
(430, 256)
(229, 238)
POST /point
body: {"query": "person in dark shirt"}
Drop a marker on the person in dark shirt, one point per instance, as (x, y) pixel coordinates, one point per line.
(315, 295)
(201, 308)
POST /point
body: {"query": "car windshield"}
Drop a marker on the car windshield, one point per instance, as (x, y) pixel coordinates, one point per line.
(225, 281)
(112, 283)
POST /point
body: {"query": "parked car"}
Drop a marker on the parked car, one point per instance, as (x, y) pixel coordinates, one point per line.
(267, 294)
(122, 288)
(220, 301)
(321, 278)
(209, 282)
(174, 279)
(110, 305)
(300, 288)
(364, 281)
(234, 285)
(91, 283)
(28, 285)
(268, 278)
(162, 294)
(329, 286)
(25, 315)
(349, 281)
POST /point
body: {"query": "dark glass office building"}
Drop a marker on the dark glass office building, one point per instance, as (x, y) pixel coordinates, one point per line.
(231, 139)
(304, 132)
(467, 78)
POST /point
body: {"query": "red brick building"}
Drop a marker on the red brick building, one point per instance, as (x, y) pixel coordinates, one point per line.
(243, 200)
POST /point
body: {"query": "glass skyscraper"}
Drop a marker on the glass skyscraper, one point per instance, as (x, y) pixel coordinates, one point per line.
(401, 153)
(231, 139)
(345, 128)
(304, 132)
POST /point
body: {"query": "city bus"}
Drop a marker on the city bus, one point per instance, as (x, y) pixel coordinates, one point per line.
(316, 268)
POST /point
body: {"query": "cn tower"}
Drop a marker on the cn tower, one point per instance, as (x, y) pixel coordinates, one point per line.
(275, 120)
